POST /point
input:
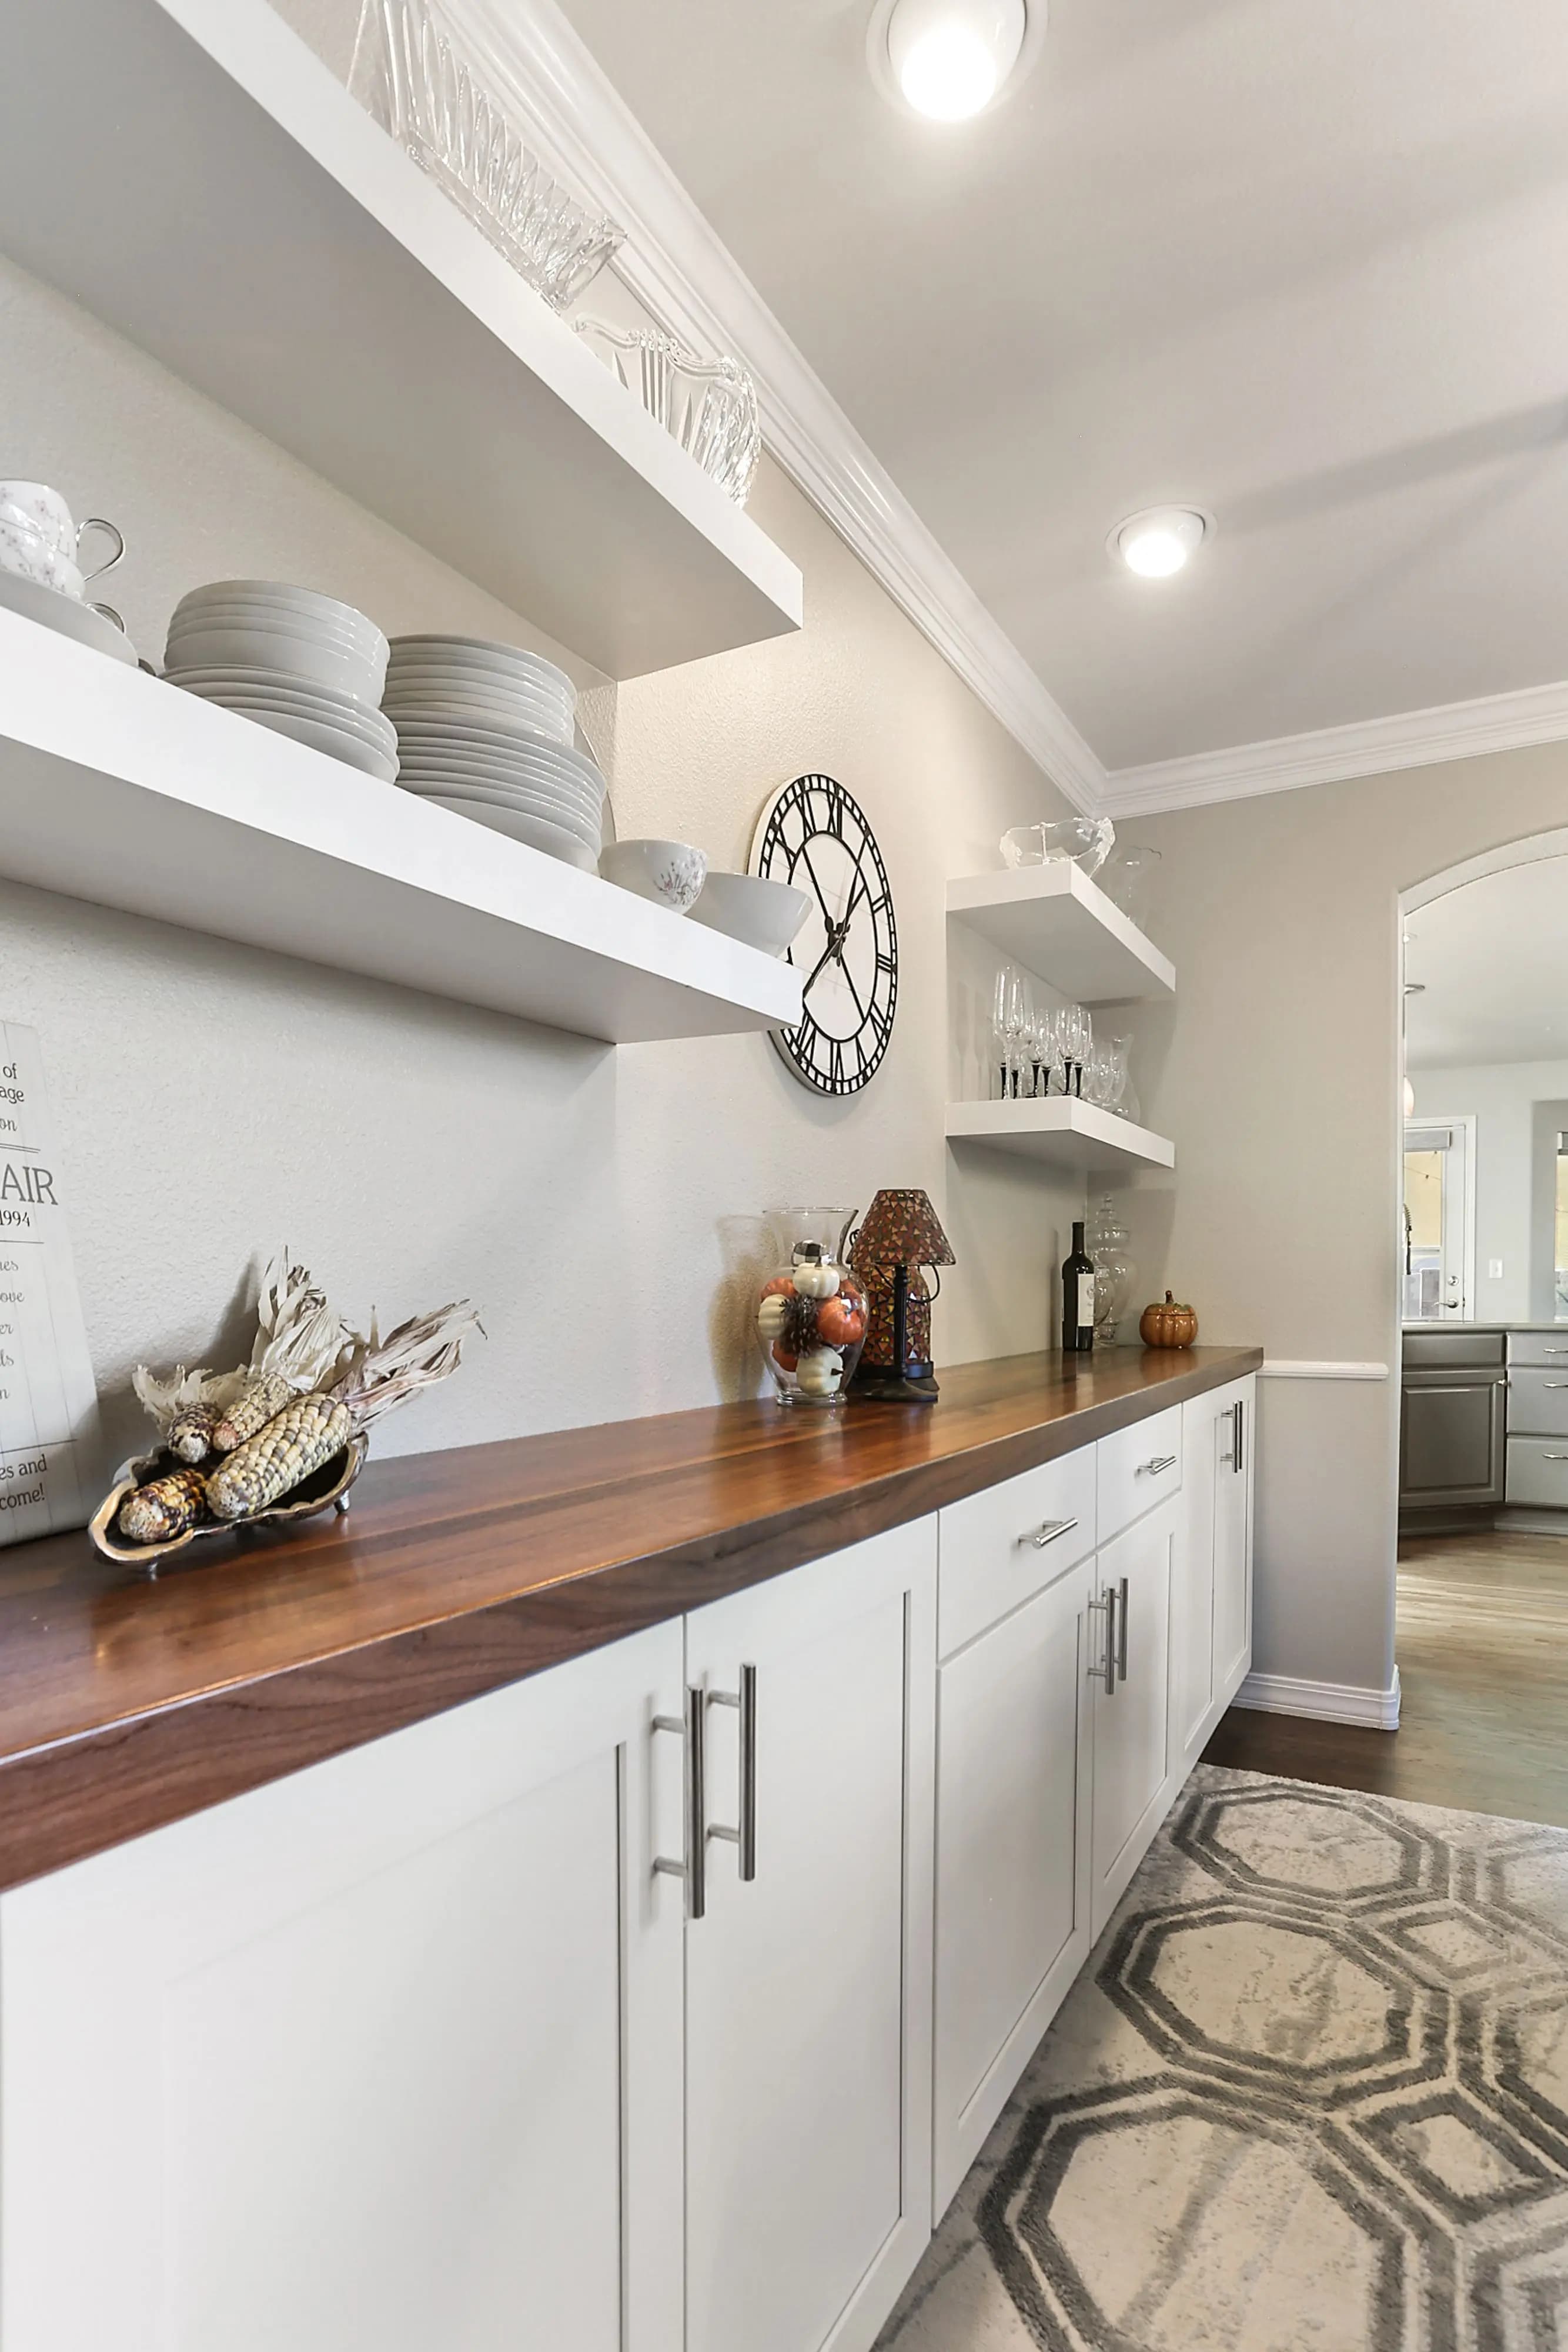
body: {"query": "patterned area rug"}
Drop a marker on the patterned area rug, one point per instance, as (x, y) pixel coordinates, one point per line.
(1310, 2095)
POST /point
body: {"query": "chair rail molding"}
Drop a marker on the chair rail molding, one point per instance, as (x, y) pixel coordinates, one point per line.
(1287, 1367)
(683, 275)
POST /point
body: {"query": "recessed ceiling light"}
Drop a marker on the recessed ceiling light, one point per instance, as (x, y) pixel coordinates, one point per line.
(950, 59)
(1159, 541)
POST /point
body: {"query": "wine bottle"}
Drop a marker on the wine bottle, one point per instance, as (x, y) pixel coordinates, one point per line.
(1078, 1298)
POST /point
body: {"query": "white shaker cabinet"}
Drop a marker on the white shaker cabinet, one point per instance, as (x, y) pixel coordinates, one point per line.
(384, 2056)
(809, 1972)
(1211, 1600)
(1131, 1698)
(1014, 1720)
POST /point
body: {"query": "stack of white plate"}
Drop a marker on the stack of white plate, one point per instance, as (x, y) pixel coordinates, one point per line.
(486, 731)
(303, 664)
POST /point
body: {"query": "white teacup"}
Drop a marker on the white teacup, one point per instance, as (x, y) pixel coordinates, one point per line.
(40, 540)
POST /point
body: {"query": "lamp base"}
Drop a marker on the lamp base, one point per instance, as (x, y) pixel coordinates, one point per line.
(881, 1384)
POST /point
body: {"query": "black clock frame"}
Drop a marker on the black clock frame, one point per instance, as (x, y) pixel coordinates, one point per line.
(821, 807)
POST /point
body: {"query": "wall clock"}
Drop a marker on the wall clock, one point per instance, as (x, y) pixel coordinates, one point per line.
(815, 834)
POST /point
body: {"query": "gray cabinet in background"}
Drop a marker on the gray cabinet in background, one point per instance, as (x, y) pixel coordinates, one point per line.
(1452, 1449)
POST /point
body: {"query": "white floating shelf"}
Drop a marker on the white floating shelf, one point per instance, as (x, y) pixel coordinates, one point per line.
(119, 789)
(227, 205)
(1070, 1133)
(1061, 926)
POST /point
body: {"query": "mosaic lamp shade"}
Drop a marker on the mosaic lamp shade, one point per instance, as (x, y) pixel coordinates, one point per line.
(899, 1235)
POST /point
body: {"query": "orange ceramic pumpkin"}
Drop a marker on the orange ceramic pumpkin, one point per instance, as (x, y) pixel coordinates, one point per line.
(1168, 1325)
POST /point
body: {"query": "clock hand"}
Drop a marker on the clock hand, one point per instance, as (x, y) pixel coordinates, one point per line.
(828, 915)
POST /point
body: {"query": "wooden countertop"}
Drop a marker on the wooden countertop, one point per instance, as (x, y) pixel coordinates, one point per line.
(125, 1704)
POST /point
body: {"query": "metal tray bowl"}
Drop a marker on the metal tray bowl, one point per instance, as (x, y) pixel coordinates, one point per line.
(326, 1489)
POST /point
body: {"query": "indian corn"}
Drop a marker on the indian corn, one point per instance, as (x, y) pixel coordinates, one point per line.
(266, 1467)
(263, 1396)
(166, 1507)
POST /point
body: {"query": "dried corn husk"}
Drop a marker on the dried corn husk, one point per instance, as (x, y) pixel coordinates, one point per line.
(166, 1507)
(294, 1442)
(382, 1373)
(187, 1406)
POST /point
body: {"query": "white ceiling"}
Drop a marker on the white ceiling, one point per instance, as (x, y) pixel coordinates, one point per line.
(1303, 265)
(1492, 961)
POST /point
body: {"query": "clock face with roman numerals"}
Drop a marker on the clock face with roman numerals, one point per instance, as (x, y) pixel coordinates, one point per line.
(814, 834)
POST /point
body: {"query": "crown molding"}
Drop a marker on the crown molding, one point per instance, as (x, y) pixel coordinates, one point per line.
(687, 279)
(1331, 755)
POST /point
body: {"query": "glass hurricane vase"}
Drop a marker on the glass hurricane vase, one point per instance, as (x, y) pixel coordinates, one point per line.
(812, 1316)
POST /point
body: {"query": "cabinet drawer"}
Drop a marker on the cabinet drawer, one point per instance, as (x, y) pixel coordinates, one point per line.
(1543, 1349)
(1138, 1468)
(1537, 1401)
(1447, 1351)
(999, 1547)
(1538, 1472)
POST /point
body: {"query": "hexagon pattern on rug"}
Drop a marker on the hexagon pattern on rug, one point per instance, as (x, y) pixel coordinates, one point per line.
(1339, 2121)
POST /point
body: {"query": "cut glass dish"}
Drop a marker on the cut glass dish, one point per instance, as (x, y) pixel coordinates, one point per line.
(708, 405)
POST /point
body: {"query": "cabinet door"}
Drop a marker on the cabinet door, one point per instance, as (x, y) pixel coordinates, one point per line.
(1233, 1435)
(1192, 1713)
(1451, 1444)
(808, 1986)
(384, 2056)
(1014, 1711)
(1130, 1722)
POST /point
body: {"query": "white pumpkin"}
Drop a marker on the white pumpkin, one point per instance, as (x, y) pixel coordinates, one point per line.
(819, 1371)
(812, 1279)
(771, 1317)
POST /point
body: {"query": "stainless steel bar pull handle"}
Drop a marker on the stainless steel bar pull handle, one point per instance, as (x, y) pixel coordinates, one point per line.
(1554, 1457)
(1160, 1462)
(1109, 1606)
(1049, 1532)
(744, 1835)
(1240, 1409)
(1555, 1385)
(693, 1869)
(1122, 1616)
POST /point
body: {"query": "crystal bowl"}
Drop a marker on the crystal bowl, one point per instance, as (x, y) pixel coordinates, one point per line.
(1087, 841)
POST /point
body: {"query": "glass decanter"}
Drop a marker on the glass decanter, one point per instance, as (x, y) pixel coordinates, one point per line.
(1114, 1269)
(812, 1316)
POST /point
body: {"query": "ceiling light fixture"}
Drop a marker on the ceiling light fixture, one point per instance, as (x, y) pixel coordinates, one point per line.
(950, 59)
(1159, 541)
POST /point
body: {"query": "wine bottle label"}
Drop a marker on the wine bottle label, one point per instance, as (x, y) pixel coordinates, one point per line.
(1085, 1301)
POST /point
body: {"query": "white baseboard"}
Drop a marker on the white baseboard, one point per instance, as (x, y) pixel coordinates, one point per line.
(1328, 1702)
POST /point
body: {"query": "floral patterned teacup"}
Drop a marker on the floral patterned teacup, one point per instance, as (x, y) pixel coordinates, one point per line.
(40, 540)
(670, 873)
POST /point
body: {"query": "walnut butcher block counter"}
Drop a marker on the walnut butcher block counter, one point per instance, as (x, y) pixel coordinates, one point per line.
(126, 1704)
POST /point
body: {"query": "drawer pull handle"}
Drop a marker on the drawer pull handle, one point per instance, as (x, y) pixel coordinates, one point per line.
(694, 1869)
(1160, 1462)
(1123, 1612)
(1104, 1671)
(1555, 1385)
(1049, 1533)
(744, 1836)
(1554, 1457)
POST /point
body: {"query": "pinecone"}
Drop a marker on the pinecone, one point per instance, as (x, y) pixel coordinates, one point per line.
(799, 1330)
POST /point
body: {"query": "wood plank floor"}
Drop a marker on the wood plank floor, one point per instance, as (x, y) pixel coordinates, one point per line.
(1482, 1645)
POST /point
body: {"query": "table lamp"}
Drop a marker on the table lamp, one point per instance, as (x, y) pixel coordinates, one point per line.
(900, 1235)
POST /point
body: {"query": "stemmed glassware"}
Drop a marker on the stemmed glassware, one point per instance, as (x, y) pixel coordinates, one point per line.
(1038, 1050)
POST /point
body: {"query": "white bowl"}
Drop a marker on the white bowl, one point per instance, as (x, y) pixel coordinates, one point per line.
(262, 596)
(750, 908)
(670, 873)
(356, 675)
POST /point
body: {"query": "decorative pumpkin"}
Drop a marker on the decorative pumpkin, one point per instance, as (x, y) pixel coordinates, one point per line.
(1168, 1325)
(841, 1320)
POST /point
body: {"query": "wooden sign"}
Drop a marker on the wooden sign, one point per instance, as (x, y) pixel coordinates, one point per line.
(48, 1405)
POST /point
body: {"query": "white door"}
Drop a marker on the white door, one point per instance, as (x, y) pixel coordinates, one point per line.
(1014, 1712)
(1233, 1475)
(809, 1983)
(1439, 1238)
(1130, 1722)
(383, 2057)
